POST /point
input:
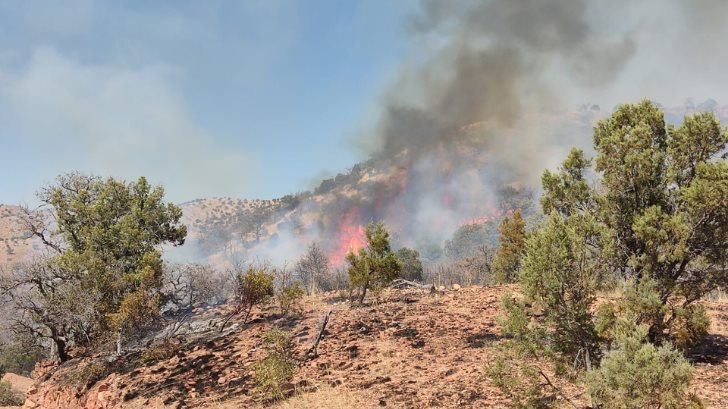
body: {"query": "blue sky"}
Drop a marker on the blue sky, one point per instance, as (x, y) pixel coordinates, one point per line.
(247, 99)
(260, 98)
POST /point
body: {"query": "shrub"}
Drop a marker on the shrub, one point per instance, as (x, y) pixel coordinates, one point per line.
(640, 375)
(289, 298)
(8, 397)
(163, 350)
(642, 302)
(275, 372)
(86, 375)
(560, 276)
(376, 265)
(411, 264)
(254, 286)
(690, 325)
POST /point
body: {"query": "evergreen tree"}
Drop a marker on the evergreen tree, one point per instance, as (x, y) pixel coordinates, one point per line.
(375, 265)
(512, 239)
(105, 274)
(411, 264)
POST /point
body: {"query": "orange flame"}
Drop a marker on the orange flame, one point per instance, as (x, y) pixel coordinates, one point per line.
(351, 237)
(492, 215)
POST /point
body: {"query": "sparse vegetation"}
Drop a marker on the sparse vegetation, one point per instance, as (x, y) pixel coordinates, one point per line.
(289, 297)
(8, 397)
(274, 373)
(313, 268)
(254, 286)
(638, 374)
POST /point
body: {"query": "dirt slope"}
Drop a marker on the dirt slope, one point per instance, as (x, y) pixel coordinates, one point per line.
(409, 349)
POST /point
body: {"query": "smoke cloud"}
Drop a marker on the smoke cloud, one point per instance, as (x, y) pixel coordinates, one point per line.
(488, 99)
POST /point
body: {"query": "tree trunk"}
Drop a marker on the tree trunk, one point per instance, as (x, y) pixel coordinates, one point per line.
(363, 293)
(59, 344)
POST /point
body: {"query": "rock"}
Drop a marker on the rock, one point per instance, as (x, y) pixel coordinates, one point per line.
(456, 287)
(441, 288)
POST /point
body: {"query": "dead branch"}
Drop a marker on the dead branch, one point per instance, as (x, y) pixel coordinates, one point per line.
(314, 348)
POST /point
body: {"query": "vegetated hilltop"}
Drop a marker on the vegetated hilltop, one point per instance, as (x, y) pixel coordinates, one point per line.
(405, 349)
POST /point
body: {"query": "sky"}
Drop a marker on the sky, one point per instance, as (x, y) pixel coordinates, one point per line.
(261, 98)
(222, 98)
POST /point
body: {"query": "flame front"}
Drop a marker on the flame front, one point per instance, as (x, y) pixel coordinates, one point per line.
(351, 237)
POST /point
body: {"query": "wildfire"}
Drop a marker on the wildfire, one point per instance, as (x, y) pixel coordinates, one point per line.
(351, 237)
(491, 215)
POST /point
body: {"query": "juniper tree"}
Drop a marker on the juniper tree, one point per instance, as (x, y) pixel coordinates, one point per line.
(376, 264)
(664, 200)
(411, 263)
(104, 273)
(512, 241)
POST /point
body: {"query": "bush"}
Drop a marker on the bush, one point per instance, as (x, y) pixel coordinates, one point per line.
(690, 325)
(254, 286)
(376, 265)
(640, 375)
(86, 375)
(642, 302)
(289, 298)
(275, 372)
(165, 349)
(20, 355)
(8, 397)
(411, 264)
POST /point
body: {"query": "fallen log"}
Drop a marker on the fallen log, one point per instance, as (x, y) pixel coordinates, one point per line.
(401, 283)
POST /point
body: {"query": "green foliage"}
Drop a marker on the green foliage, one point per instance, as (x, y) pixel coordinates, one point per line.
(289, 297)
(661, 201)
(640, 375)
(665, 190)
(254, 287)
(520, 381)
(8, 397)
(690, 325)
(20, 355)
(275, 372)
(376, 265)
(162, 350)
(469, 238)
(643, 305)
(106, 269)
(567, 192)
(512, 237)
(411, 264)
(516, 371)
(559, 275)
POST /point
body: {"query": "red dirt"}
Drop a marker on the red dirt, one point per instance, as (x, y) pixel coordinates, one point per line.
(410, 350)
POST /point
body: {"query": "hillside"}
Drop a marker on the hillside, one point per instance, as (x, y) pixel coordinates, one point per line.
(407, 349)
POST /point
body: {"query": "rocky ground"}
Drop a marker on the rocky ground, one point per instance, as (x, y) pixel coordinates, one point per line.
(407, 349)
